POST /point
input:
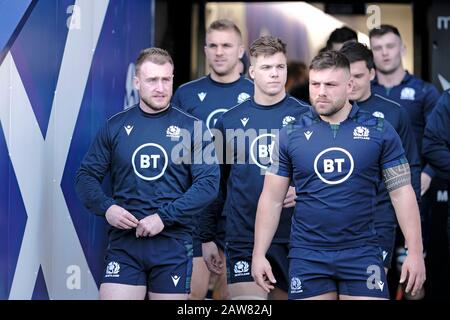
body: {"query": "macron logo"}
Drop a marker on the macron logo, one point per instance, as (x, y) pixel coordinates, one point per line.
(244, 121)
(128, 129)
(175, 280)
(201, 96)
(384, 254)
(381, 285)
(308, 134)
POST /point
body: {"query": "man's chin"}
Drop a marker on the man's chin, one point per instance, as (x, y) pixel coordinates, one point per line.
(386, 70)
(157, 106)
(221, 71)
(160, 106)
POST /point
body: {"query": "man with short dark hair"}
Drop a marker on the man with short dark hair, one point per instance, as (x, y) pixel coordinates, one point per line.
(362, 71)
(339, 37)
(246, 134)
(417, 96)
(336, 154)
(394, 82)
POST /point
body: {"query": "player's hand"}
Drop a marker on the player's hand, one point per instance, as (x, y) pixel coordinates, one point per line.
(149, 226)
(212, 258)
(120, 218)
(425, 181)
(262, 273)
(289, 201)
(413, 270)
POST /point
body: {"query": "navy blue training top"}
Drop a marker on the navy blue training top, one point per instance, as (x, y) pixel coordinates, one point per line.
(336, 170)
(155, 165)
(248, 131)
(207, 99)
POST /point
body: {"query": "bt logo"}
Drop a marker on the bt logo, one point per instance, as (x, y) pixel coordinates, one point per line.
(329, 165)
(264, 148)
(334, 165)
(150, 161)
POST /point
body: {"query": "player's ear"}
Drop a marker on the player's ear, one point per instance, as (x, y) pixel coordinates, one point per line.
(241, 51)
(372, 74)
(251, 72)
(350, 85)
(136, 82)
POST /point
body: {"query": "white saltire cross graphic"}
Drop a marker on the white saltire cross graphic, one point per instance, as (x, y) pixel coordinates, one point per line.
(50, 239)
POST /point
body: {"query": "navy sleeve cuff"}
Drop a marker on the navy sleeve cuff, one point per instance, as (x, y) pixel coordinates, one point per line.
(105, 206)
(429, 171)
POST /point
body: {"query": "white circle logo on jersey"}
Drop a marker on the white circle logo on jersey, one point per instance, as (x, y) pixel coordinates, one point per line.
(213, 116)
(334, 165)
(261, 150)
(150, 161)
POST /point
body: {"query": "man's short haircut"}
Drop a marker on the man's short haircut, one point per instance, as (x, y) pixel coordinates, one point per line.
(382, 30)
(155, 55)
(330, 60)
(267, 46)
(341, 35)
(355, 51)
(224, 24)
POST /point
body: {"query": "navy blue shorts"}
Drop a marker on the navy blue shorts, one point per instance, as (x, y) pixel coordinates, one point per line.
(239, 262)
(161, 263)
(354, 272)
(386, 240)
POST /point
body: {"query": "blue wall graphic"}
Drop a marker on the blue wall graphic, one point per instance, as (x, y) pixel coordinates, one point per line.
(64, 69)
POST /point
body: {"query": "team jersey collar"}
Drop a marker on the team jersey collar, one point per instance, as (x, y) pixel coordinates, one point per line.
(222, 84)
(354, 111)
(405, 79)
(273, 106)
(155, 115)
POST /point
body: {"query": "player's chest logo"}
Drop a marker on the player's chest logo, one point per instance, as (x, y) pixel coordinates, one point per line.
(201, 96)
(128, 128)
(308, 134)
(408, 94)
(173, 132)
(242, 97)
(378, 114)
(261, 150)
(150, 161)
(361, 133)
(287, 120)
(244, 121)
(334, 165)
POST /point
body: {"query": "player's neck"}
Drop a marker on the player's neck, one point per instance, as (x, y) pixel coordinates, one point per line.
(147, 109)
(366, 96)
(266, 100)
(390, 80)
(226, 78)
(339, 116)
